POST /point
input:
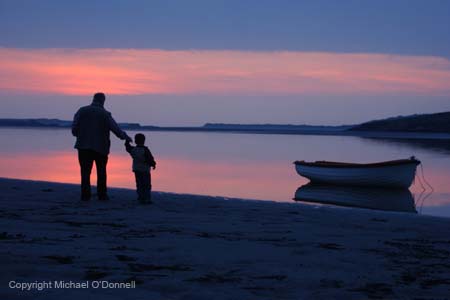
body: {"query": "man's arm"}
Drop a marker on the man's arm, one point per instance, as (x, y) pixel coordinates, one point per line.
(128, 147)
(116, 129)
(76, 123)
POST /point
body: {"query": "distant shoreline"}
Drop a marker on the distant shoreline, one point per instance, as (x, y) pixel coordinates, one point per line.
(434, 126)
(325, 132)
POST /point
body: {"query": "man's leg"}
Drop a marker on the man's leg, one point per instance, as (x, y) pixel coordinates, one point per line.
(100, 164)
(86, 161)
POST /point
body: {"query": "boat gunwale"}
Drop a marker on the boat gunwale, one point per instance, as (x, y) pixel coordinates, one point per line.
(345, 165)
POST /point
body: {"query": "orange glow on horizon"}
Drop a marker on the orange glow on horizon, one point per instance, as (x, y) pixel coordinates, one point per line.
(216, 178)
(150, 71)
(269, 181)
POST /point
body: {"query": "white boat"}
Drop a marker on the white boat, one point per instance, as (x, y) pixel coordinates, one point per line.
(363, 197)
(395, 173)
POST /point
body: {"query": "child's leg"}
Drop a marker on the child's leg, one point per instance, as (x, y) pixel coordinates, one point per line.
(148, 186)
(138, 178)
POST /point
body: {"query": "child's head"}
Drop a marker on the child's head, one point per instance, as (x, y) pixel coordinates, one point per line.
(139, 139)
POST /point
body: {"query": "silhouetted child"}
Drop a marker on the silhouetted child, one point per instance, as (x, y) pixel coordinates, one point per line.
(142, 161)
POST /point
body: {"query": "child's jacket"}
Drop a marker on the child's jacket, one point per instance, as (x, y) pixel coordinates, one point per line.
(142, 158)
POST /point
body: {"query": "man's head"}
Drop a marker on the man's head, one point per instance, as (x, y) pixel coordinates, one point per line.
(139, 139)
(99, 98)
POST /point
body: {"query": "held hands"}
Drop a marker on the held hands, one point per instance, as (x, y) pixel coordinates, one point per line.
(127, 145)
(128, 140)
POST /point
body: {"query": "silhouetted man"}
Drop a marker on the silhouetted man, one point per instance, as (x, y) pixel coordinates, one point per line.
(91, 126)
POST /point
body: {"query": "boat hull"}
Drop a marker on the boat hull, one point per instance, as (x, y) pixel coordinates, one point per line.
(376, 175)
(400, 200)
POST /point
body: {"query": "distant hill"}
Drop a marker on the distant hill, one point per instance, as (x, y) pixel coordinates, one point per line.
(35, 122)
(438, 122)
(427, 123)
(42, 122)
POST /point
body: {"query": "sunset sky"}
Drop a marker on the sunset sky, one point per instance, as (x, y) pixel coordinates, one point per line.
(191, 62)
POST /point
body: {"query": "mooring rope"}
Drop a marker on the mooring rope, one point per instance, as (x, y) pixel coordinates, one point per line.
(423, 177)
(418, 200)
(423, 196)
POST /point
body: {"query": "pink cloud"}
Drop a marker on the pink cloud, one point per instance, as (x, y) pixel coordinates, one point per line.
(134, 72)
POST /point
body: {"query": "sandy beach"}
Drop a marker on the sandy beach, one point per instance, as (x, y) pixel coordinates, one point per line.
(199, 247)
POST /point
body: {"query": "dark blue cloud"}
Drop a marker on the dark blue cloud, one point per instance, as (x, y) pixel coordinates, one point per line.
(385, 26)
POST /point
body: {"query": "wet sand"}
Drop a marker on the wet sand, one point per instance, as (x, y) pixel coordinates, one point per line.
(199, 247)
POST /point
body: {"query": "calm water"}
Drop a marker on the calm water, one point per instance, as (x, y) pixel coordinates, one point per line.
(251, 166)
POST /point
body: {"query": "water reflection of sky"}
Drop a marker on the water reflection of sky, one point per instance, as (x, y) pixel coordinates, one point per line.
(233, 165)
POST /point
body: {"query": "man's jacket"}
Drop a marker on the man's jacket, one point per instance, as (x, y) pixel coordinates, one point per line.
(91, 125)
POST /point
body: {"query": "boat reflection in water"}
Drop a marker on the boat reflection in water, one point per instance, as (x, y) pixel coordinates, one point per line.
(400, 200)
